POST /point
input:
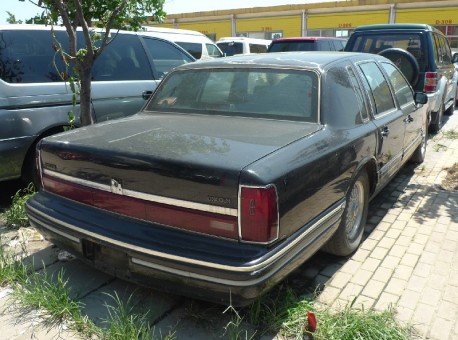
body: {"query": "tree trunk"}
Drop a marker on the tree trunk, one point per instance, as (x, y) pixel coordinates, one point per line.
(85, 74)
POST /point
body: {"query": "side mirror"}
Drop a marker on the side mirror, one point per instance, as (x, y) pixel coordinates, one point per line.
(420, 98)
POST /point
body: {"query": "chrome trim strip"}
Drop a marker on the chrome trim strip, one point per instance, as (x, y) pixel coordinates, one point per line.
(33, 221)
(192, 275)
(147, 197)
(191, 261)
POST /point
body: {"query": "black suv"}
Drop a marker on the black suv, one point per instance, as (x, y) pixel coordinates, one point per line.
(422, 53)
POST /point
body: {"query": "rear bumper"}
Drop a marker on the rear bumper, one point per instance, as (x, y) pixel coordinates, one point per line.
(184, 263)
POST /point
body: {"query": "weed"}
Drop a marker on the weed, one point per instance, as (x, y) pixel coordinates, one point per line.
(15, 215)
(11, 270)
(438, 147)
(450, 134)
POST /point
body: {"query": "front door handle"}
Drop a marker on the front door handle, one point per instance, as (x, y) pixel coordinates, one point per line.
(408, 119)
(385, 131)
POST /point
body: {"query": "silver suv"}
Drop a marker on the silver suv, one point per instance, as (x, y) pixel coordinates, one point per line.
(35, 102)
(422, 53)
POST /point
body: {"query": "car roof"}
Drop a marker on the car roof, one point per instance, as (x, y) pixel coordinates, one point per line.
(423, 27)
(306, 39)
(231, 39)
(297, 60)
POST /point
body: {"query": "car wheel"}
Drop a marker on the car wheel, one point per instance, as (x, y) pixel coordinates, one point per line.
(418, 155)
(405, 61)
(350, 231)
(436, 125)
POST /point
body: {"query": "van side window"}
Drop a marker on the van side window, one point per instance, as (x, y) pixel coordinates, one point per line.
(28, 57)
(123, 59)
(165, 56)
(213, 51)
(195, 49)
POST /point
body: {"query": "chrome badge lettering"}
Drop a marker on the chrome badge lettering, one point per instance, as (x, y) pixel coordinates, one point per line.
(116, 187)
(219, 200)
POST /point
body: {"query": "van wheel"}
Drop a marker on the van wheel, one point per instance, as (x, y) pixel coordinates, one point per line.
(405, 61)
(350, 231)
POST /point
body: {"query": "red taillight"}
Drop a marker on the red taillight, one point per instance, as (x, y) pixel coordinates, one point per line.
(430, 82)
(258, 214)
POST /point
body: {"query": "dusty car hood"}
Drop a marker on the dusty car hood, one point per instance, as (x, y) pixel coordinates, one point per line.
(210, 140)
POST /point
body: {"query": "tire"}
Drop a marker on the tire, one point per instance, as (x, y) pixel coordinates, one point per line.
(350, 231)
(418, 155)
(405, 61)
(436, 125)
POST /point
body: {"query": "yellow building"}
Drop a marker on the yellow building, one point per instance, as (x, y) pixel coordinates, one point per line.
(318, 19)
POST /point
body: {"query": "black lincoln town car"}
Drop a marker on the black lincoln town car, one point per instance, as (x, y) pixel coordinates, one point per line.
(235, 172)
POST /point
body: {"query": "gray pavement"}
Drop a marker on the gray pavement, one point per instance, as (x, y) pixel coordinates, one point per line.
(408, 260)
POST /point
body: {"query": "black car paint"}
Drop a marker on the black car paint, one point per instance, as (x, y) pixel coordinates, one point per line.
(312, 166)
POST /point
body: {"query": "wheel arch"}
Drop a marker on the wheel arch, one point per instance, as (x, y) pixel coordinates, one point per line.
(26, 171)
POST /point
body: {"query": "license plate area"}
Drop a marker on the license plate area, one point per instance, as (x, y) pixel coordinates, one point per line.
(105, 256)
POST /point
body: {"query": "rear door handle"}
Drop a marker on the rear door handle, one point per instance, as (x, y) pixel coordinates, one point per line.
(146, 94)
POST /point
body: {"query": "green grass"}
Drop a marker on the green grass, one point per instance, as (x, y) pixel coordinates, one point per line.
(15, 215)
(280, 311)
(450, 134)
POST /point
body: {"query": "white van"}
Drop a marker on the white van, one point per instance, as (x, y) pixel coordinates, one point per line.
(242, 45)
(197, 44)
(35, 101)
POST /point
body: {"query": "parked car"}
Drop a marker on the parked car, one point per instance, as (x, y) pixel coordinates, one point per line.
(241, 45)
(412, 47)
(307, 44)
(455, 63)
(236, 172)
(197, 44)
(35, 100)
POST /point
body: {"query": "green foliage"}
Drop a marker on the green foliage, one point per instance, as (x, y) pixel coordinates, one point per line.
(15, 215)
(124, 323)
(12, 270)
(12, 19)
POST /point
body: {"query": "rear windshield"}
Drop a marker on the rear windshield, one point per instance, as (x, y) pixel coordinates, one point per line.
(231, 48)
(411, 42)
(288, 46)
(264, 93)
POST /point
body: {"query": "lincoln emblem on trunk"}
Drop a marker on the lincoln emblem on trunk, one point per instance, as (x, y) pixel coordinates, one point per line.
(116, 187)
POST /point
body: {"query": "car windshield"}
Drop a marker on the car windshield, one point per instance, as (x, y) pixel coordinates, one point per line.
(265, 93)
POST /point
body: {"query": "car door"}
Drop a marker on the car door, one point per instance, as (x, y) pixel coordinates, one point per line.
(388, 119)
(414, 117)
(120, 76)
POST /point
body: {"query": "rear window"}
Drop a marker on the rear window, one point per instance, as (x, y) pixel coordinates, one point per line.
(411, 42)
(231, 48)
(289, 46)
(264, 93)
